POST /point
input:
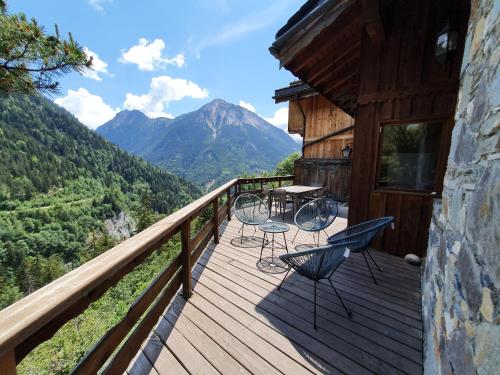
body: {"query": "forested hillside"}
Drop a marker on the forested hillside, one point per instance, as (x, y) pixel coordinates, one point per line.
(59, 181)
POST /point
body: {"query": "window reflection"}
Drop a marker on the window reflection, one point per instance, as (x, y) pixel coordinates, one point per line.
(409, 156)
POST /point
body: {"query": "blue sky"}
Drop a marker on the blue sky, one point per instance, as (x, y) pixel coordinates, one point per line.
(167, 58)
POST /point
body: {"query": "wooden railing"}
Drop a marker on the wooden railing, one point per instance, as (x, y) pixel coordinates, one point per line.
(37, 317)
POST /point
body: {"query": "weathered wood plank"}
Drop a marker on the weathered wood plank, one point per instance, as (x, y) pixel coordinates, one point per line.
(161, 358)
(8, 363)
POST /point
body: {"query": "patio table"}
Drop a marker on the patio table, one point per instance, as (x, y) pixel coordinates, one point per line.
(296, 191)
(273, 263)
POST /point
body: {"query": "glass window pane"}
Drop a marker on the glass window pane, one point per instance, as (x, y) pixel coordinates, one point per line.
(409, 156)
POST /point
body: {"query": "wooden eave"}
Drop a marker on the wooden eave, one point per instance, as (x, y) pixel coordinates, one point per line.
(325, 53)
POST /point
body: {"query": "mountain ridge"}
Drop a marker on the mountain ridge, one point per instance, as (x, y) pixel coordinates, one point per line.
(208, 146)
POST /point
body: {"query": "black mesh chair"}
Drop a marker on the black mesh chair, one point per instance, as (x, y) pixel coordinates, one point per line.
(363, 233)
(316, 216)
(250, 210)
(318, 264)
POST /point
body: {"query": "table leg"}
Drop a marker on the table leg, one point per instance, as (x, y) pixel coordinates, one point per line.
(295, 203)
(272, 247)
(286, 246)
(262, 248)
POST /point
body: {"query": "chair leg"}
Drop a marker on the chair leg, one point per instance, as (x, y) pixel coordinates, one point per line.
(315, 282)
(282, 281)
(369, 268)
(349, 313)
(373, 260)
(296, 234)
(242, 229)
(262, 248)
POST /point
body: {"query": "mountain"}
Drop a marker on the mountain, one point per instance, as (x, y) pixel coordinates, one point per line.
(61, 185)
(128, 129)
(209, 146)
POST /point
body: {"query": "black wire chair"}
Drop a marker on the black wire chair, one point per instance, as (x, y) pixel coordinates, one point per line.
(363, 233)
(319, 264)
(250, 210)
(315, 216)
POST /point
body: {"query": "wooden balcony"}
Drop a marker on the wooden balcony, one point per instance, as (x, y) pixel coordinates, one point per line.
(212, 310)
(236, 320)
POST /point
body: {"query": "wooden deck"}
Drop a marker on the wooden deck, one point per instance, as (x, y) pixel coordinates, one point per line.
(237, 322)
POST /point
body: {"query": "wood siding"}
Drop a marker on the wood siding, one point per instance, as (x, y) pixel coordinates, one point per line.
(401, 80)
(322, 118)
(333, 173)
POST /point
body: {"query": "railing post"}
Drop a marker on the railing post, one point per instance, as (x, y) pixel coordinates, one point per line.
(8, 363)
(215, 219)
(187, 283)
(229, 204)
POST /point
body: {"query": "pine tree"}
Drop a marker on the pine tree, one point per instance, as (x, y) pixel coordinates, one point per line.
(30, 59)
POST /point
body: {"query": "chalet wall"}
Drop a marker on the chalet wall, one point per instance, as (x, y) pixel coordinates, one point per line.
(322, 118)
(400, 79)
(462, 271)
(334, 173)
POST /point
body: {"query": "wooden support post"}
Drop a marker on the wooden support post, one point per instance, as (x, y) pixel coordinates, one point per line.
(8, 363)
(215, 219)
(187, 281)
(229, 204)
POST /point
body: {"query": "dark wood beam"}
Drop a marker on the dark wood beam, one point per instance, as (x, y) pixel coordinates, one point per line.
(373, 22)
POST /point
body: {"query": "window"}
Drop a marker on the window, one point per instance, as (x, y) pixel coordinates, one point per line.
(408, 156)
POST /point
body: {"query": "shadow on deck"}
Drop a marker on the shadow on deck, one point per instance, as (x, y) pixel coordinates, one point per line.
(238, 322)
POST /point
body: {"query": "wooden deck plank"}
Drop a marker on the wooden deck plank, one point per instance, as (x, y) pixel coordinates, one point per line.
(269, 333)
(141, 365)
(238, 322)
(330, 303)
(186, 353)
(340, 339)
(160, 356)
(255, 253)
(352, 295)
(244, 333)
(337, 324)
(221, 360)
(245, 355)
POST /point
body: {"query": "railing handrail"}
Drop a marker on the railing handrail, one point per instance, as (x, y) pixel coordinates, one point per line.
(78, 288)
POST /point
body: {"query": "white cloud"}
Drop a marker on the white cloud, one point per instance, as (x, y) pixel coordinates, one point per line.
(98, 4)
(246, 105)
(279, 119)
(148, 56)
(90, 109)
(98, 66)
(162, 91)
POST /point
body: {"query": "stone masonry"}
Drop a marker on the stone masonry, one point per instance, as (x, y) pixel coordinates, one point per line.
(461, 278)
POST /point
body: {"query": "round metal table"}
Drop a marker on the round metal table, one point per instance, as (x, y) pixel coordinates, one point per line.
(273, 264)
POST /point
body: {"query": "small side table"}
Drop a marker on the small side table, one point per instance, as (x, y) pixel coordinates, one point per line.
(273, 264)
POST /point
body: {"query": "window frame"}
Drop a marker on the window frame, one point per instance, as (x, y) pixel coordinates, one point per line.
(440, 164)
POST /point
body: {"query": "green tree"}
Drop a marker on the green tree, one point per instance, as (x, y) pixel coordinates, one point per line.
(285, 167)
(145, 215)
(30, 59)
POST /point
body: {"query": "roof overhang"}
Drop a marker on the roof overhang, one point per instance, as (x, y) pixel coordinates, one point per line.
(321, 45)
(304, 26)
(296, 90)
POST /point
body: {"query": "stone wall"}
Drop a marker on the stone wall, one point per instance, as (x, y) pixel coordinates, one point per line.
(461, 278)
